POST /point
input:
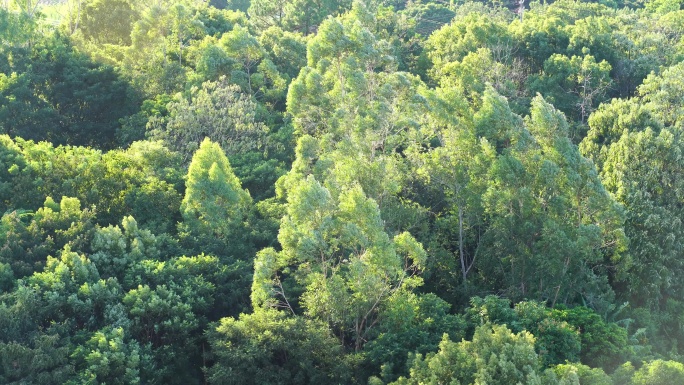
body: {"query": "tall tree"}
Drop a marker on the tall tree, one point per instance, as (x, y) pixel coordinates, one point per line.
(215, 205)
(217, 111)
(553, 224)
(338, 250)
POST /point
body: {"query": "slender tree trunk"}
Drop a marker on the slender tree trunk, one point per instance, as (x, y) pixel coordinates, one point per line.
(460, 242)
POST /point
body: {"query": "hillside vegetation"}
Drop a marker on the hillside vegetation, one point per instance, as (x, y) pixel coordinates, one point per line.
(341, 192)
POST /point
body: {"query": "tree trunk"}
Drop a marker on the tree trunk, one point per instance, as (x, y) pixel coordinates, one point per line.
(460, 242)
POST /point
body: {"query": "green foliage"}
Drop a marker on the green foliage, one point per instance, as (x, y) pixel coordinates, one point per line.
(409, 189)
(581, 374)
(43, 361)
(160, 316)
(269, 347)
(15, 30)
(144, 178)
(63, 97)
(215, 204)
(474, 50)
(430, 16)
(149, 178)
(494, 356)
(645, 128)
(341, 254)
(108, 21)
(604, 344)
(556, 341)
(574, 85)
(115, 251)
(412, 324)
(659, 372)
(623, 374)
(218, 111)
(550, 192)
(287, 50)
(217, 21)
(12, 163)
(108, 358)
(27, 242)
(212, 288)
(454, 42)
(302, 16)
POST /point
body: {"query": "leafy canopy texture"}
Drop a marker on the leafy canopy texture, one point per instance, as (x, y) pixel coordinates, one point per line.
(495, 356)
(215, 204)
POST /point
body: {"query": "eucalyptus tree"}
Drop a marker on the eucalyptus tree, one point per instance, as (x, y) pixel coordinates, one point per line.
(637, 145)
(547, 208)
(343, 258)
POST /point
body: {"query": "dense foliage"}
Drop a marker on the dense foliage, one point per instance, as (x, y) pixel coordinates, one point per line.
(353, 192)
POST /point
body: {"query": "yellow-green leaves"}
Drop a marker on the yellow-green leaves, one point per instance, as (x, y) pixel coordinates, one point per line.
(494, 356)
(265, 279)
(215, 204)
(335, 245)
(412, 251)
(213, 192)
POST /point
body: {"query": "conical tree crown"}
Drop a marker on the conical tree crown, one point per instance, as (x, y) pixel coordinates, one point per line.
(214, 201)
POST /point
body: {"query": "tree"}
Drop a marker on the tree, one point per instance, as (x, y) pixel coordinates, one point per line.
(659, 372)
(44, 360)
(268, 347)
(160, 316)
(218, 111)
(62, 96)
(548, 203)
(581, 374)
(143, 180)
(116, 251)
(22, 113)
(148, 63)
(26, 243)
(211, 287)
(660, 94)
(574, 85)
(541, 33)
(556, 341)
(414, 323)
(107, 21)
(302, 16)
(28, 7)
(475, 50)
(604, 344)
(13, 170)
(645, 128)
(146, 181)
(609, 122)
(652, 224)
(108, 358)
(466, 35)
(494, 356)
(16, 31)
(287, 50)
(454, 167)
(215, 205)
(340, 254)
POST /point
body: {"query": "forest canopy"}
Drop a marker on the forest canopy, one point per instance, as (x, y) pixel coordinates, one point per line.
(341, 192)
